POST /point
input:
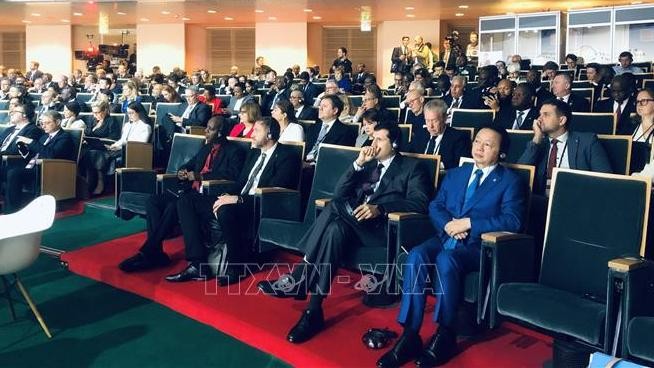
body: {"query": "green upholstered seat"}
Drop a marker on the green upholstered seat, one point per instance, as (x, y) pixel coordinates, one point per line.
(640, 338)
(471, 118)
(618, 149)
(518, 140)
(592, 219)
(599, 123)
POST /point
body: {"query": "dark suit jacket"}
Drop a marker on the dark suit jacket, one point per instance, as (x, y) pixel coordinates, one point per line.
(625, 125)
(31, 76)
(308, 113)
(542, 95)
(29, 131)
(110, 129)
(454, 145)
(398, 65)
(199, 116)
(578, 103)
(310, 92)
(266, 106)
(338, 134)
(61, 147)
(498, 204)
(585, 152)
(471, 100)
(282, 170)
(227, 164)
(405, 186)
(506, 117)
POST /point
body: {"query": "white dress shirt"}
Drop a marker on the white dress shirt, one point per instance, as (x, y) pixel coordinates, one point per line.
(255, 183)
(133, 132)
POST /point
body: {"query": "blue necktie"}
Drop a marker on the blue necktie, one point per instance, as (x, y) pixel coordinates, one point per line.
(451, 242)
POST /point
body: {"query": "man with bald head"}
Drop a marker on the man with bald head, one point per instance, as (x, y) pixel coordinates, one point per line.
(622, 102)
(421, 52)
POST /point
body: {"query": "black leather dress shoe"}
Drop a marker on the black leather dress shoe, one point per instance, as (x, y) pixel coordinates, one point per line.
(190, 273)
(441, 348)
(141, 262)
(406, 348)
(284, 287)
(311, 322)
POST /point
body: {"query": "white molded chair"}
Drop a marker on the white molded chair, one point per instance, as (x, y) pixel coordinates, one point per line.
(20, 242)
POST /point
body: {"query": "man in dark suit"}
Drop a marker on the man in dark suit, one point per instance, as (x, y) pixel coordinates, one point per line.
(302, 111)
(218, 159)
(380, 181)
(622, 102)
(308, 88)
(439, 139)
(542, 93)
(34, 72)
(472, 200)
(20, 117)
(401, 57)
(5, 84)
(554, 145)
(55, 143)
(329, 129)
(48, 102)
(271, 164)
(458, 99)
(277, 91)
(415, 101)
(193, 112)
(521, 113)
(562, 90)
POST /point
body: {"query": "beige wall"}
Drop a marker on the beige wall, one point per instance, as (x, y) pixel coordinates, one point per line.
(51, 46)
(282, 44)
(196, 47)
(314, 45)
(389, 35)
(160, 44)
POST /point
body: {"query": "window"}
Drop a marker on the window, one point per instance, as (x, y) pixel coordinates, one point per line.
(361, 47)
(231, 46)
(12, 49)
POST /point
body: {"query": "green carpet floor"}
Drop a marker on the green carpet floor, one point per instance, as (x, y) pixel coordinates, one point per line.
(95, 325)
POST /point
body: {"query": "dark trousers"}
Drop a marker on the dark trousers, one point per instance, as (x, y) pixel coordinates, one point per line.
(161, 217)
(232, 222)
(18, 178)
(448, 268)
(330, 237)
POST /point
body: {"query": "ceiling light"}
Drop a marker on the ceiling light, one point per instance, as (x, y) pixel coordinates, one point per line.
(121, 13)
(636, 2)
(26, 21)
(409, 8)
(459, 14)
(36, 14)
(410, 15)
(165, 12)
(65, 21)
(308, 10)
(463, 6)
(272, 18)
(258, 11)
(316, 17)
(77, 14)
(229, 18)
(144, 20)
(186, 19)
(211, 11)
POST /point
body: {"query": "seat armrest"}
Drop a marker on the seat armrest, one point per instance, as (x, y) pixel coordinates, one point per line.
(12, 161)
(320, 205)
(166, 182)
(133, 180)
(630, 293)
(505, 257)
(57, 177)
(216, 187)
(279, 203)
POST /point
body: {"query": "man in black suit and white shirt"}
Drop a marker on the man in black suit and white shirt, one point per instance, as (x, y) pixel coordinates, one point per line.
(329, 129)
(270, 164)
(194, 112)
(20, 117)
(380, 181)
(458, 99)
(309, 90)
(277, 91)
(562, 90)
(5, 84)
(302, 111)
(401, 57)
(622, 102)
(439, 139)
(34, 72)
(521, 113)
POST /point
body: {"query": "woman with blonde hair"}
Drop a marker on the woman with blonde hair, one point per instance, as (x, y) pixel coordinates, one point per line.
(130, 94)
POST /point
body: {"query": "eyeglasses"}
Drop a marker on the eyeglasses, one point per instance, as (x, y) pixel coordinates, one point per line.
(644, 102)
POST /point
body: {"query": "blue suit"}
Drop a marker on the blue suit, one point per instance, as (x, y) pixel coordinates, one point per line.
(498, 204)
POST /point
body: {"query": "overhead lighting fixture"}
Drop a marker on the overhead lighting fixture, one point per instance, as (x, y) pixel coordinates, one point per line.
(186, 19)
(144, 20)
(272, 18)
(308, 10)
(459, 14)
(228, 18)
(165, 12)
(211, 11)
(317, 17)
(409, 8)
(410, 15)
(77, 14)
(36, 14)
(636, 2)
(65, 21)
(121, 13)
(258, 11)
(26, 21)
(463, 6)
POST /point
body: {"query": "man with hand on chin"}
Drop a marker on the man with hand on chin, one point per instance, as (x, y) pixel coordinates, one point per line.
(473, 199)
(380, 181)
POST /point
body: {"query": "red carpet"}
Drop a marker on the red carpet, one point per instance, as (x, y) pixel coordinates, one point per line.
(263, 322)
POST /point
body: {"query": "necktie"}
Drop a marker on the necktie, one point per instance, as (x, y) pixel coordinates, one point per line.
(470, 191)
(207, 165)
(369, 186)
(255, 173)
(551, 162)
(618, 111)
(321, 137)
(518, 120)
(560, 98)
(431, 146)
(36, 157)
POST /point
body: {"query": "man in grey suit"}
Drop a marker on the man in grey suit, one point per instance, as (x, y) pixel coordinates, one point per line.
(554, 145)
